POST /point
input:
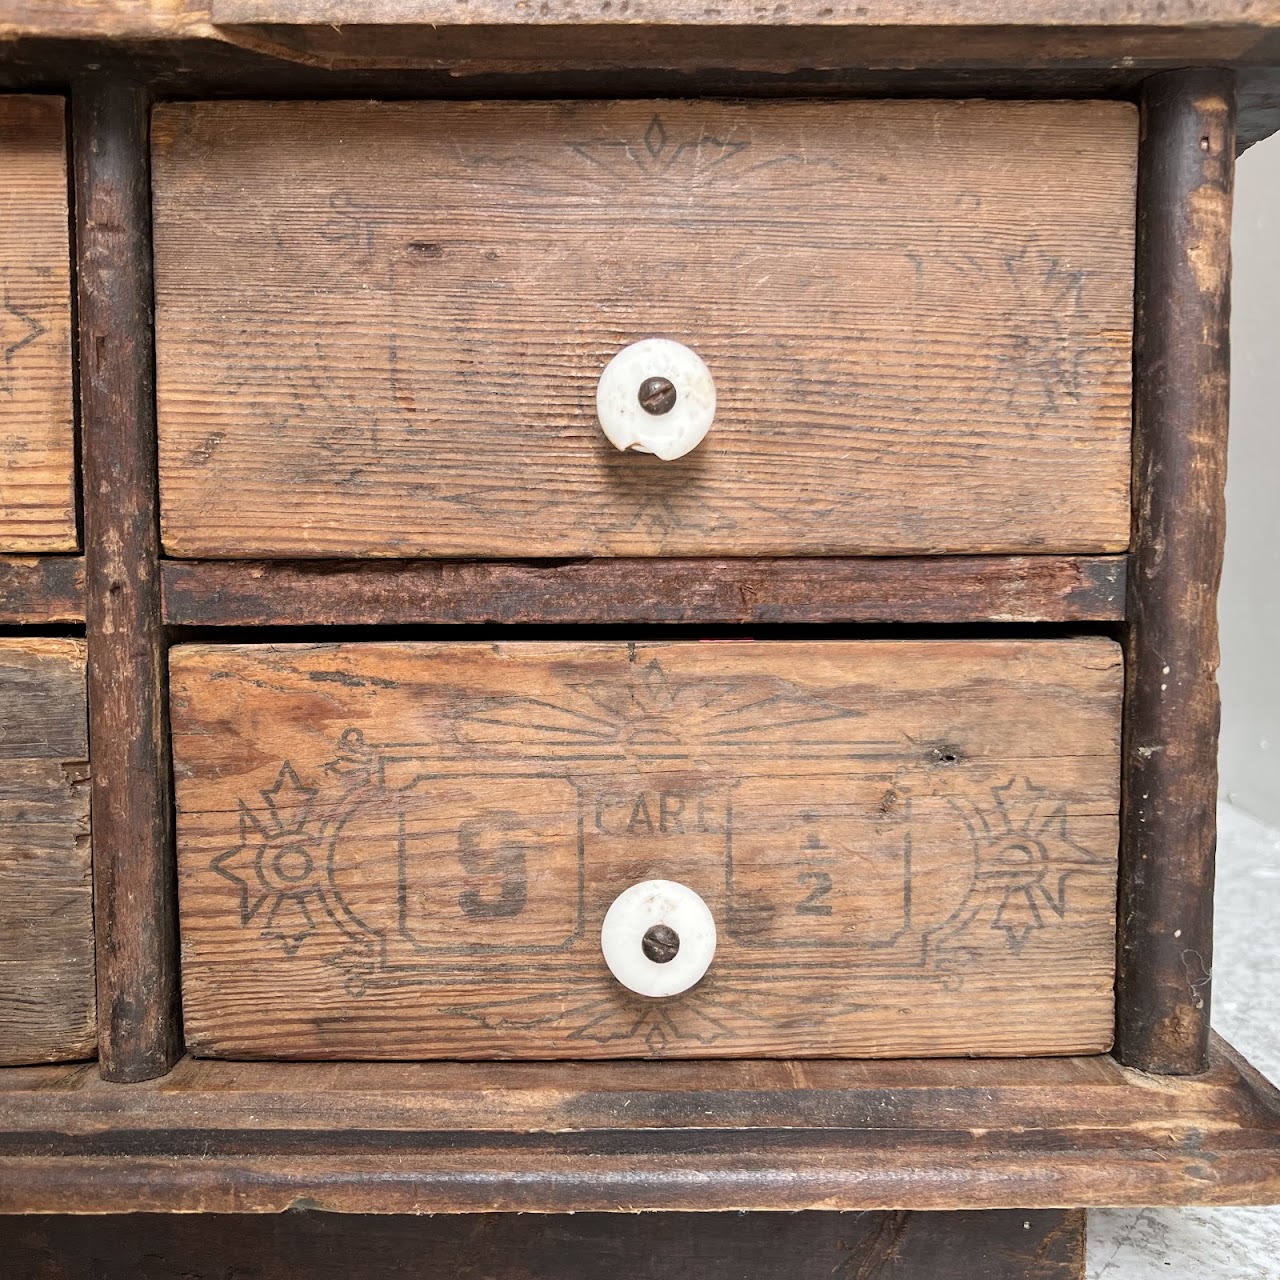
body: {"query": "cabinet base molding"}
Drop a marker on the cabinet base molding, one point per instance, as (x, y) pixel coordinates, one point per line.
(552, 1138)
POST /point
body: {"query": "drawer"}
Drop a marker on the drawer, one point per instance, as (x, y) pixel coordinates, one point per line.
(381, 327)
(409, 850)
(47, 1008)
(37, 468)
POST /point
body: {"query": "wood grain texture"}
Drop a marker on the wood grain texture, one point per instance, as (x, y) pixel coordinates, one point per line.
(956, 13)
(46, 886)
(572, 1137)
(1180, 459)
(37, 447)
(1010, 1245)
(1225, 28)
(939, 589)
(40, 590)
(697, 38)
(134, 910)
(380, 327)
(406, 850)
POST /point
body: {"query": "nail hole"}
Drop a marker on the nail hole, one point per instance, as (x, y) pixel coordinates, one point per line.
(946, 754)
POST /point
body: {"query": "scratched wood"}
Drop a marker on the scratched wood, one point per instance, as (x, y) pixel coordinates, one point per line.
(46, 892)
(407, 850)
(380, 327)
(37, 459)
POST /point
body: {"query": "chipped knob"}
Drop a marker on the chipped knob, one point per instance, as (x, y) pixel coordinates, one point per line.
(658, 938)
(657, 397)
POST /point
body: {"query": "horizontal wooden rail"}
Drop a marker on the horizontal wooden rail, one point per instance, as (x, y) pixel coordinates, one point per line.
(943, 589)
(41, 590)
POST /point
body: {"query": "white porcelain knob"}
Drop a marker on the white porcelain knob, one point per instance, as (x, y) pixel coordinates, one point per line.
(656, 396)
(658, 938)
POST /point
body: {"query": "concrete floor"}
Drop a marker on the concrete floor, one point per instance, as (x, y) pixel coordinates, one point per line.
(1218, 1244)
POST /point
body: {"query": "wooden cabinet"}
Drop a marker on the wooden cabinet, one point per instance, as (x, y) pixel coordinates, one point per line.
(405, 686)
(380, 328)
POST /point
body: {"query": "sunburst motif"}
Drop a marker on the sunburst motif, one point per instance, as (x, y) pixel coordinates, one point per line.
(1018, 841)
(656, 151)
(649, 714)
(278, 865)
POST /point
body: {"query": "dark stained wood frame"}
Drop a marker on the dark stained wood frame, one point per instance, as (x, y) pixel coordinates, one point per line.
(135, 890)
(1181, 378)
(942, 589)
(1021, 1244)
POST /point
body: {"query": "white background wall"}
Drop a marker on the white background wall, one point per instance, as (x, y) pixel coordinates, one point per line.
(1249, 608)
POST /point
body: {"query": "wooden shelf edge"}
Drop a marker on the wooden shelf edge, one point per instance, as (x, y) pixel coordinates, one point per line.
(939, 589)
(41, 590)
(553, 1138)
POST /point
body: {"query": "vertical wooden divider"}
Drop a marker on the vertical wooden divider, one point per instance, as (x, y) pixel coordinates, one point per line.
(1181, 373)
(134, 881)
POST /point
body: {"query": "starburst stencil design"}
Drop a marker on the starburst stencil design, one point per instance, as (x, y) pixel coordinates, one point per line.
(278, 866)
(1025, 858)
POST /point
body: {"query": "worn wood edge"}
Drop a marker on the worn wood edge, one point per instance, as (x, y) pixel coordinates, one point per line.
(714, 38)
(157, 19)
(1169, 754)
(41, 590)
(924, 590)
(135, 893)
(68, 1156)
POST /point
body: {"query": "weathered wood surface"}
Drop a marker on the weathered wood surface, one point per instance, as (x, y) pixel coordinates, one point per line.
(1054, 30)
(1042, 1244)
(133, 860)
(220, 1137)
(1180, 458)
(346, 34)
(46, 885)
(37, 449)
(921, 341)
(406, 850)
(40, 590)
(937, 589)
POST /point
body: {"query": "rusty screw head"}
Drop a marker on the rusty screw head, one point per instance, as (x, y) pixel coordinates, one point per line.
(660, 944)
(657, 396)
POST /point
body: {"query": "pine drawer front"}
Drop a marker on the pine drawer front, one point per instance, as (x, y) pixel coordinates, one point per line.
(37, 456)
(47, 1007)
(407, 850)
(381, 327)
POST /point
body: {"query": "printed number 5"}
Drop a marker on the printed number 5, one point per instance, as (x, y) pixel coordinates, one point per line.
(821, 886)
(498, 865)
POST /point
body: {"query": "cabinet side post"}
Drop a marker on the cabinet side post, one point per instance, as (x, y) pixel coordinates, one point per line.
(1181, 374)
(134, 881)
